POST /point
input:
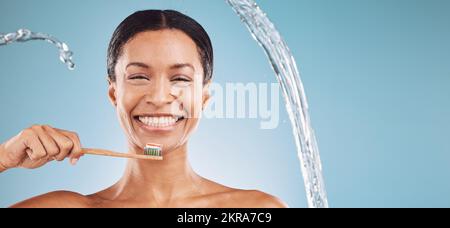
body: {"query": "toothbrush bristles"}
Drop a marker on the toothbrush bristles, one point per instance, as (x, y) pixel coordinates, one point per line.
(153, 150)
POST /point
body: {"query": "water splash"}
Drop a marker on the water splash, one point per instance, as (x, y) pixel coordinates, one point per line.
(23, 35)
(288, 76)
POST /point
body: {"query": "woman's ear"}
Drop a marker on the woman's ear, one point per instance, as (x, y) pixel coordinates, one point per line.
(206, 95)
(112, 92)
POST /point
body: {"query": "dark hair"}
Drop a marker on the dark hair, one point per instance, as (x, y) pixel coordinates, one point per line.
(153, 20)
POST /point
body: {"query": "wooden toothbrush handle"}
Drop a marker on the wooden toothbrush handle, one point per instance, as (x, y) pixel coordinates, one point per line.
(119, 155)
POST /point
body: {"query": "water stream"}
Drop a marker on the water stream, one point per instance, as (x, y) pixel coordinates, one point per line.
(287, 74)
(24, 35)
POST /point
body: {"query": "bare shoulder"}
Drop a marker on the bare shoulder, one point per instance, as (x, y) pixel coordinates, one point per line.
(233, 197)
(259, 199)
(57, 199)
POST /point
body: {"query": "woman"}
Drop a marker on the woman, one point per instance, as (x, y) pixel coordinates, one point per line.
(159, 69)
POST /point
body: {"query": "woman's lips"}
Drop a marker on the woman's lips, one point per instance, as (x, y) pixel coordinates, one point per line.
(153, 126)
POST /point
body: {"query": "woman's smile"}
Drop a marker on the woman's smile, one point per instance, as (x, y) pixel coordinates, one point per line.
(158, 122)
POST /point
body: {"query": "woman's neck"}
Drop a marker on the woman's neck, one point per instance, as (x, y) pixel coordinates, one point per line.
(159, 181)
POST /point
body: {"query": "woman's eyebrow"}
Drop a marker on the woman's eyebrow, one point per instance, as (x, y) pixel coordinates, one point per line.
(138, 64)
(172, 67)
(182, 65)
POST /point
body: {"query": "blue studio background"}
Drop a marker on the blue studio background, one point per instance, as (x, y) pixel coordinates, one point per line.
(376, 72)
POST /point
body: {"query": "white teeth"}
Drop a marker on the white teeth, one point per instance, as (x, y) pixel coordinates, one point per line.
(143, 119)
(158, 121)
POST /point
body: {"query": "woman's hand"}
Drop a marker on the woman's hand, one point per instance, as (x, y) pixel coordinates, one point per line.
(37, 145)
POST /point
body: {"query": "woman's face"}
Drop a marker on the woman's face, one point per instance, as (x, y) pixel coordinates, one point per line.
(159, 93)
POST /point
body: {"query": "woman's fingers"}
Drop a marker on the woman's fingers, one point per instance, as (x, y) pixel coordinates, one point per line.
(36, 150)
(76, 152)
(37, 145)
(55, 144)
(64, 143)
(51, 148)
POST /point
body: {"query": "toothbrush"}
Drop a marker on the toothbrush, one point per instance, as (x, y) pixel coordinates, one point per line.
(151, 152)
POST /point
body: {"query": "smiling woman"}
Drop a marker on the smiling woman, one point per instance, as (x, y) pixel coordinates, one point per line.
(159, 71)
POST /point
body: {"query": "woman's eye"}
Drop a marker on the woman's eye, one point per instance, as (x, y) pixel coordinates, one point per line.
(182, 79)
(139, 77)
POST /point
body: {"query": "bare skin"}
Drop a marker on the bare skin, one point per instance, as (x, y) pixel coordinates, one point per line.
(159, 72)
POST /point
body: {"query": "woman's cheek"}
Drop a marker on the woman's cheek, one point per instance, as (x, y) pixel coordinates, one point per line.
(126, 101)
(130, 97)
(183, 96)
(195, 103)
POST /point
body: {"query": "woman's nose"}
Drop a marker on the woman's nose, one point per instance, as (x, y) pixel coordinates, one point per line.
(159, 93)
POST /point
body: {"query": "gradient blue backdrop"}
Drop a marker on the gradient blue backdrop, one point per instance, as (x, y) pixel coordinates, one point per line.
(377, 75)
